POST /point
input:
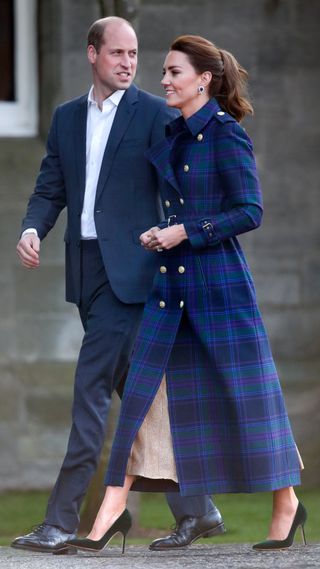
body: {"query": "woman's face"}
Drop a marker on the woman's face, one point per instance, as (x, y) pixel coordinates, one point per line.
(181, 81)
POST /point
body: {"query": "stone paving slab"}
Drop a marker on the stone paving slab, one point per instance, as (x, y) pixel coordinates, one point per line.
(229, 556)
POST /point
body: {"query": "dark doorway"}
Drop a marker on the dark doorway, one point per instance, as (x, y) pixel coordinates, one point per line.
(7, 51)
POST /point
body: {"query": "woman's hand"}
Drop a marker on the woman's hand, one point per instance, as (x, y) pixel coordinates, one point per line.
(156, 239)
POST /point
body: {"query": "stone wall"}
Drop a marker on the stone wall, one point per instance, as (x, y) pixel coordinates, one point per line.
(278, 42)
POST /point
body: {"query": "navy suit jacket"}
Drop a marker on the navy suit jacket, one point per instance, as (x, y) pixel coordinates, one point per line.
(127, 201)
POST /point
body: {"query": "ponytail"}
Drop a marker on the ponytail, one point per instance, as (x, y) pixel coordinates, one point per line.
(230, 90)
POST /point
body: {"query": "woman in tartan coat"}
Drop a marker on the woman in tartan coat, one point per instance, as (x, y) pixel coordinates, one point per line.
(201, 325)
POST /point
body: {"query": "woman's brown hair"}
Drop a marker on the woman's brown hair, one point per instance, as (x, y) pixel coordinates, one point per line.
(229, 79)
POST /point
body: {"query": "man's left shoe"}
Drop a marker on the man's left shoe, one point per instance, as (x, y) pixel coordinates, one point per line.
(189, 529)
(44, 538)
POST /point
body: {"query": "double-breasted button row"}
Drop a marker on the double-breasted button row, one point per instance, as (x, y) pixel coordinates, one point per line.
(162, 304)
(164, 269)
(167, 203)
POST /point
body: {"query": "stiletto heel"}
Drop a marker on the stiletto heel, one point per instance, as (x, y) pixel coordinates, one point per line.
(298, 521)
(121, 525)
(303, 535)
(124, 542)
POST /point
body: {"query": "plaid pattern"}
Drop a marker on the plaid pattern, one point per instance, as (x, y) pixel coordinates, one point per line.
(228, 419)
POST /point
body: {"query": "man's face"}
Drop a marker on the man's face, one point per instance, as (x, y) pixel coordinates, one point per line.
(114, 67)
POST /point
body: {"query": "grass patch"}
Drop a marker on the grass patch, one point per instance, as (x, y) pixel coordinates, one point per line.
(246, 516)
(19, 511)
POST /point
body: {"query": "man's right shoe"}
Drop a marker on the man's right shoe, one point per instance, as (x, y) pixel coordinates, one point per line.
(44, 538)
(189, 529)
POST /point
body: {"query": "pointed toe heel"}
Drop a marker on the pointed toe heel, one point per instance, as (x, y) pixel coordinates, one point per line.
(121, 525)
(299, 520)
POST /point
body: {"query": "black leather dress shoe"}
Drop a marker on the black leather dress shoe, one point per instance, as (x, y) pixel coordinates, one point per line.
(189, 529)
(44, 538)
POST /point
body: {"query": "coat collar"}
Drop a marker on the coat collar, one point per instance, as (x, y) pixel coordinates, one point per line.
(197, 121)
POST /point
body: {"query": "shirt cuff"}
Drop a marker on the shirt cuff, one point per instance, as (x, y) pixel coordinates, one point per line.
(29, 230)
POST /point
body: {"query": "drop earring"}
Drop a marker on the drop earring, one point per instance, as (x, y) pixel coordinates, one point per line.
(201, 89)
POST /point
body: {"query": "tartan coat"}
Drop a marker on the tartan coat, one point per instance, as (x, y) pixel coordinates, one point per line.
(202, 326)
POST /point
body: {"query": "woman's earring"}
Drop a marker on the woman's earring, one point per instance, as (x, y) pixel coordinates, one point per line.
(201, 89)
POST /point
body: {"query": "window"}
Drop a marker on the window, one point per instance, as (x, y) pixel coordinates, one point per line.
(18, 85)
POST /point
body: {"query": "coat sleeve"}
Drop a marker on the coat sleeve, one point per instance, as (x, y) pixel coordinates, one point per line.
(242, 204)
(49, 197)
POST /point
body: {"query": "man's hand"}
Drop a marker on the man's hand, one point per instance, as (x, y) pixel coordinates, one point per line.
(28, 251)
(156, 239)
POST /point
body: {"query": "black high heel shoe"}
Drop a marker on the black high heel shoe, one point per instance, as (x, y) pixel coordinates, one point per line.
(298, 521)
(121, 525)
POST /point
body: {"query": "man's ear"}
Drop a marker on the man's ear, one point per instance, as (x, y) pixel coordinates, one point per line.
(91, 53)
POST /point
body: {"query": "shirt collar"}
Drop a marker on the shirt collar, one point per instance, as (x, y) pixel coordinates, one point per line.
(114, 98)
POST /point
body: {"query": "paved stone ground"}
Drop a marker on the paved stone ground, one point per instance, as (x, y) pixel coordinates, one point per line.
(196, 557)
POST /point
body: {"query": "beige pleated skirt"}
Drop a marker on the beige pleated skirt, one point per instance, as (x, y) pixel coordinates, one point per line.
(151, 454)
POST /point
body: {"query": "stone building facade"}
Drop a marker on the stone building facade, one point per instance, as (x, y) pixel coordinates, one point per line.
(278, 42)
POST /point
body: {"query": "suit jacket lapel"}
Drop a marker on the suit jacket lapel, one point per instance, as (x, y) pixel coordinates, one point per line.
(80, 135)
(124, 115)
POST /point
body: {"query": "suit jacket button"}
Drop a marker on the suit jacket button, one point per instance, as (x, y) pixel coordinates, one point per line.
(181, 269)
(167, 203)
(200, 137)
(162, 304)
(186, 168)
(163, 269)
(181, 304)
(221, 113)
(181, 201)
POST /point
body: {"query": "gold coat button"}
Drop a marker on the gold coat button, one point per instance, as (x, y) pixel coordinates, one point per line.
(181, 269)
(163, 269)
(181, 201)
(186, 168)
(167, 203)
(162, 304)
(200, 137)
(181, 304)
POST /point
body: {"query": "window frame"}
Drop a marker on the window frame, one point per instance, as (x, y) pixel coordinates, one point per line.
(20, 117)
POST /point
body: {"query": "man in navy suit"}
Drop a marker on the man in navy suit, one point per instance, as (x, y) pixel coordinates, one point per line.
(96, 168)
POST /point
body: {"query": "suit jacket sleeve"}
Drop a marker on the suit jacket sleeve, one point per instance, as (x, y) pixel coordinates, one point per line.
(164, 116)
(242, 208)
(49, 197)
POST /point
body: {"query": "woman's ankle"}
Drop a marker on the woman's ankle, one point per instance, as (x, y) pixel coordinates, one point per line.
(103, 523)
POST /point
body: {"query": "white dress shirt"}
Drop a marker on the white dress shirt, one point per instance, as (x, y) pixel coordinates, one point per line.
(99, 125)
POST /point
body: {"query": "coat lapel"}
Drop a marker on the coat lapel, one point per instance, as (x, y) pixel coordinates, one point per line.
(159, 155)
(80, 135)
(125, 112)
